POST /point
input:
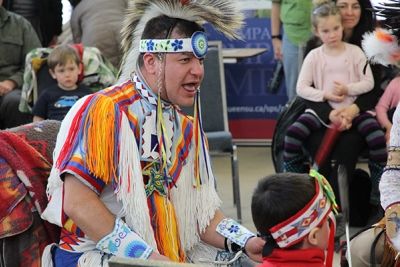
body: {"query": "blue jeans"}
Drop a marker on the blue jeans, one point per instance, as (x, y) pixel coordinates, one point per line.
(62, 258)
(292, 59)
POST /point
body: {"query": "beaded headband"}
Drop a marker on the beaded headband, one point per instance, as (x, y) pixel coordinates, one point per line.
(224, 15)
(197, 44)
(295, 228)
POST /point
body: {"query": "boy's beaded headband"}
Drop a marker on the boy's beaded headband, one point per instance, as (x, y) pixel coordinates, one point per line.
(197, 44)
(294, 229)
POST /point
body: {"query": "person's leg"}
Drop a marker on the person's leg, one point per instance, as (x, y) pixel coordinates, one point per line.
(370, 129)
(362, 245)
(10, 116)
(295, 138)
(291, 66)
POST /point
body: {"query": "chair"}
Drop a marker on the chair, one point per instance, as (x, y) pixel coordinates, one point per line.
(25, 161)
(215, 116)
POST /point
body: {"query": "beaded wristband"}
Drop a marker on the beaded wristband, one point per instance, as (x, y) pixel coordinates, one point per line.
(234, 231)
(124, 242)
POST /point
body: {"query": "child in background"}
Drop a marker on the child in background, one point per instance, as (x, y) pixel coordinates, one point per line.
(291, 211)
(55, 101)
(387, 105)
(336, 72)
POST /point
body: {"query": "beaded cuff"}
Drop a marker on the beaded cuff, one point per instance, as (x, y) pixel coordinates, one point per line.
(234, 231)
(124, 242)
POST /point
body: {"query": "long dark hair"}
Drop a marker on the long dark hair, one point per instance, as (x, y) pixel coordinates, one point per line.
(367, 22)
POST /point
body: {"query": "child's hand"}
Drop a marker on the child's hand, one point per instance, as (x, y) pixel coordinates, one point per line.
(340, 89)
(333, 97)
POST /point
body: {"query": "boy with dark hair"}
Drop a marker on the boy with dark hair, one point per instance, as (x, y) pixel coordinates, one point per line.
(291, 212)
(55, 101)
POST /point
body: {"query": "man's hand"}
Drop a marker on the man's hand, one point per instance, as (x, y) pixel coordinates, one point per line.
(254, 247)
(350, 112)
(7, 86)
(337, 119)
(158, 257)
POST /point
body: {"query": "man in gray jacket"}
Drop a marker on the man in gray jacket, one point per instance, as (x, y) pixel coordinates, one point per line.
(17, 38)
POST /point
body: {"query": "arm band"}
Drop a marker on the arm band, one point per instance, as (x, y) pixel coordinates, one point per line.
(123, 242)
(235, 232)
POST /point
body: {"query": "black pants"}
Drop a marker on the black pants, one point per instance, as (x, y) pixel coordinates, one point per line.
(10, 116)
(346, 151)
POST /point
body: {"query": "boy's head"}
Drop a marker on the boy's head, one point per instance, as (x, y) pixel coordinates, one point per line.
(290, 210)
(64, 66)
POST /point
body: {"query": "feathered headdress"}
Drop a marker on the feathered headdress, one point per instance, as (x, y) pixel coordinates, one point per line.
(381, 46)
(224, 15)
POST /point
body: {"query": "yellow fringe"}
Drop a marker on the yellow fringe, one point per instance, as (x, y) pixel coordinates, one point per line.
(163, 139)
(167, 235)
(100, 124)
(389, 258)
(196, 136)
